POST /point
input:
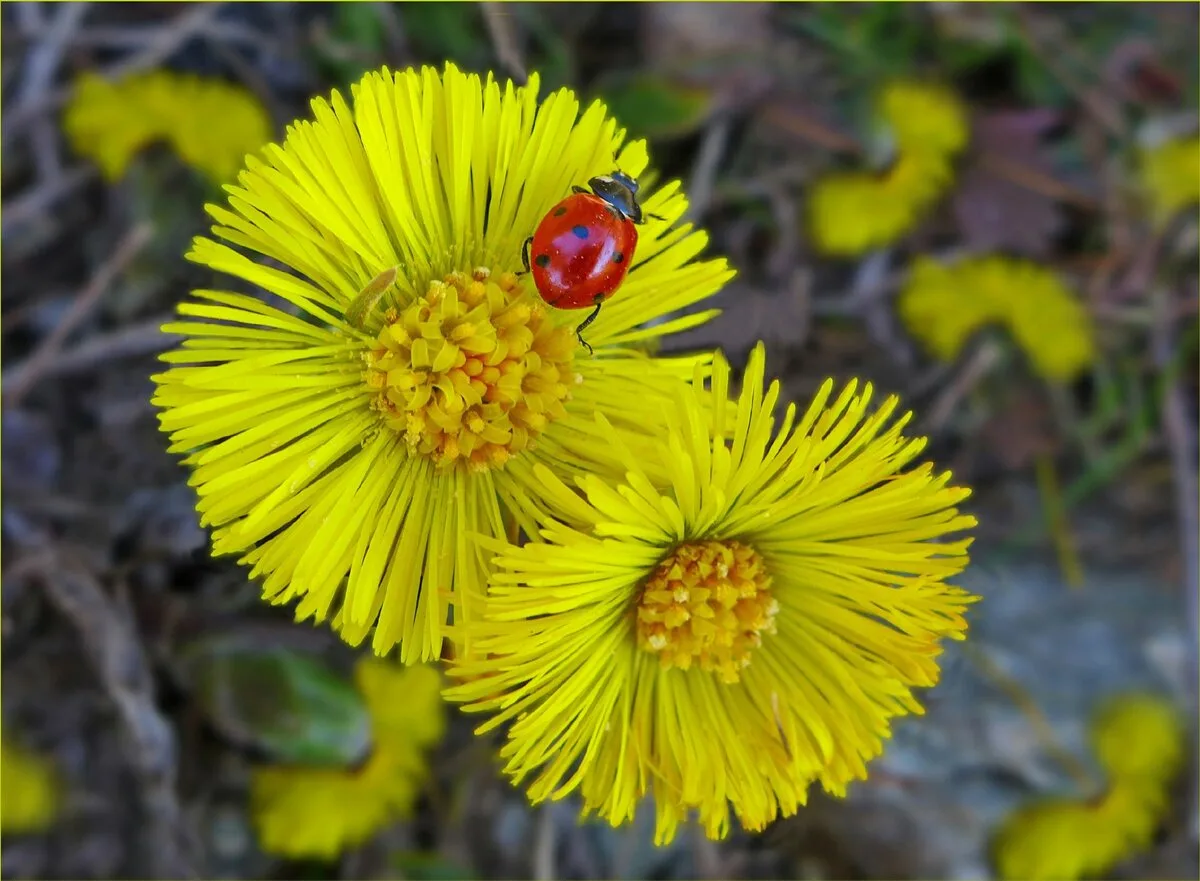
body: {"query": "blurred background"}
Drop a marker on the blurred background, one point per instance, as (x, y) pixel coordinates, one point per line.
(1029, 287)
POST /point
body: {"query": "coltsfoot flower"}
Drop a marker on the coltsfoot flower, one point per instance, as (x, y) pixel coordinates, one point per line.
(388, 391)
(922, 128)
(728, 637)
(210, 124)
(306, 812)
(944, 305)
(30, 789)
(1170, 176)
(1138, 742)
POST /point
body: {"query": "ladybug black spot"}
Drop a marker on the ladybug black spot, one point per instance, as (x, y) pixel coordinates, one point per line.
(560, 211)
(581, 232)
(618, 257)
(542, 260)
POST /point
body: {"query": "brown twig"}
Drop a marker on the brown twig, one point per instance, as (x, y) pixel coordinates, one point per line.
(19, 381)
(161, 46)
(1035, 181)
(785, 116)
(133, 341)
(38, 200)
(504, 40)
(1179, 427)
(704, 170)
(1106, 114)
(111, 640)
(978, 366)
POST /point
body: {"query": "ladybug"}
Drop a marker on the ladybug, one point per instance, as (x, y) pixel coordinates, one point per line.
(582, 248)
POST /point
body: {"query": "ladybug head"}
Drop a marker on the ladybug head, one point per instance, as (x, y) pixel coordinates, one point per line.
(620, 191)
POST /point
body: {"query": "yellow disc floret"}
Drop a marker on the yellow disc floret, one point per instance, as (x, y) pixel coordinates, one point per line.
(709, 603)
(472, 372)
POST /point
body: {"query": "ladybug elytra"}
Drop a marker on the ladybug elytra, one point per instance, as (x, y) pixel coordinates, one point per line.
(581, 250)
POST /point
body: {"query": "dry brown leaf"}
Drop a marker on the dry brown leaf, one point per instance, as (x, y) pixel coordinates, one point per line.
(1019, 433)
(1006, 199)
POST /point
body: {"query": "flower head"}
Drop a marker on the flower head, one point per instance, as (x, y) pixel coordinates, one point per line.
(923, 118)
(210, 124)
(31, 794)
(943, 305)
(728, 636)
(1138, 742)
(320, 812)
(1170, 176)
(390, 393)
(923, 127)
(1064, 839)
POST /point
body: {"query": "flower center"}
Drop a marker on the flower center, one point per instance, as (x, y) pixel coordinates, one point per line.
(472, 372)
(708, 602)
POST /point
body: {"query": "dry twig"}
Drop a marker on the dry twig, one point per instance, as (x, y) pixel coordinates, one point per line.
(22, 378)
(1179, 427)
(504, 40)
(115, 648)
(161, 46)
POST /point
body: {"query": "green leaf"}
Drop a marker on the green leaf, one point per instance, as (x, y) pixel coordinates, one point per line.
(653, 107)
(358, 24)
(417, 866)
(286, 703)
(453, 31)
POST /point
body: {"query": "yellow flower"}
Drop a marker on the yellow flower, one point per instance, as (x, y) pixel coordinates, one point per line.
(210, 124)
(302, 812)
(30, 790)
(1138, 741)
(1138, 736)
(942, 306)
(1170, 174)
(853, 212)
(728, 639)
(1064, 839)
(348, 444)
(924, 118)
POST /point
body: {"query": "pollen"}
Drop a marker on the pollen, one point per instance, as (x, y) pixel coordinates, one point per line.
(472, 372)
(708, 604)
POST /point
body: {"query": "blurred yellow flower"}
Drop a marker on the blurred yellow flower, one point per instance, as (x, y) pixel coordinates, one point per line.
(1138, 741)
(727, 640)
(305, 812)
(349, 444)
(1170, 174)
(924, 118)
(925, 127)
(852, 212)
(30, 789)
(1139, 736)
(210, 124)
(943, 305)
(1065, 839)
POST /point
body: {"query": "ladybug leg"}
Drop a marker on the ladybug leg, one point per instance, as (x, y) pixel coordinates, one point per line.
(656, 216)
(525, 254)
(599, 301)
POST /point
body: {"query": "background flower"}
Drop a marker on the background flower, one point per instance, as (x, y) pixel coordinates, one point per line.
(1138, 743)
(31, 790)
(1170, 176)
(320, 812)
(211, 125)
(944, 305)
(922, 128)
(726, 641)
(347, 452)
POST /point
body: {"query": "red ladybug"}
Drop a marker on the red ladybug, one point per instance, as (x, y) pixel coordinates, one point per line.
(583, 247)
